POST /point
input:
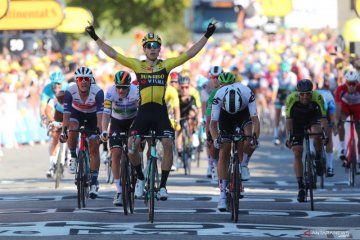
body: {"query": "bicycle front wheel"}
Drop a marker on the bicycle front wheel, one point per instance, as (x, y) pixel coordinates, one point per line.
(152, 190)
(79, 174)
(59, 167)
(125, 182)
(352, 159)
(236, 189)
(309, 180)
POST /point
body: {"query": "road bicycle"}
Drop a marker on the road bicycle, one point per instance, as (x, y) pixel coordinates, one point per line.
(152, 181)
(310, 165)
(82, 174)
(127, 173)
(351, 156)
(187, 147)
(234, 187)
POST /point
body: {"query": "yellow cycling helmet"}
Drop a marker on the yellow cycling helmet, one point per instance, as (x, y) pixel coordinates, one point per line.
(151, 37)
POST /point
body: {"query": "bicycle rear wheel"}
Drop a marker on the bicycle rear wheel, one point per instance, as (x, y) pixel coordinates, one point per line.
(352, 165)
(309, 180)
(125, 182)
(323, 167)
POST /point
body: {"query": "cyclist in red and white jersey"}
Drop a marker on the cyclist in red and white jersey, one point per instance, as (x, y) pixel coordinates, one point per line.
(347, 98)
(83, 106)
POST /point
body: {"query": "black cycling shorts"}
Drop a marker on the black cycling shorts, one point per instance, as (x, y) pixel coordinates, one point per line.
(233, 123)
(298, 129)
(118, 126)
(88, 120)
(152, 116)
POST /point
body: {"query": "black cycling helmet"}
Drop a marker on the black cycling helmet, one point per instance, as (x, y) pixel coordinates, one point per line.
(122, 78)
(304, 85)
(185, 80)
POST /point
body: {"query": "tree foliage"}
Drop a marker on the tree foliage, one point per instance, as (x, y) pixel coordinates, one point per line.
(123, 15)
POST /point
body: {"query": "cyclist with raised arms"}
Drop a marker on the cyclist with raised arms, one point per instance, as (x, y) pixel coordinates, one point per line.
(304, 109)
(152, 74)
(83, 106)
(120, 108)
(347, 98)
(233, 112)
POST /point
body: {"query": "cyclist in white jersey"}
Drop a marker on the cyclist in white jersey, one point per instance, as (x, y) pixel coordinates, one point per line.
(120, 108)
(233, 111)
(283, 84)
(83, 106)
(330, 108)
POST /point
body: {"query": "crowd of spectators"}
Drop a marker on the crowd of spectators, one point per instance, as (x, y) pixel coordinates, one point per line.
(22, 77)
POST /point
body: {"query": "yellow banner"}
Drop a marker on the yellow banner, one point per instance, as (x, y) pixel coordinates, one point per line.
(275, 8)
(4, 7)
(357, 7)
(75, 21)
(32, 15)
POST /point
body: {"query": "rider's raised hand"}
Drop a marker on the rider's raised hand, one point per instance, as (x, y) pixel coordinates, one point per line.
(91, 31)
(211, 28)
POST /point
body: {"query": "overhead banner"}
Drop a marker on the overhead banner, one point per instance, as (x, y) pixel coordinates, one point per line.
(32, 15)
(75, 21)
(275, 8)
(4, 7)
(357, 7)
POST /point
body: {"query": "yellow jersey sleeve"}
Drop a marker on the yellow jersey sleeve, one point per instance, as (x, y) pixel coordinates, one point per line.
(172, 97)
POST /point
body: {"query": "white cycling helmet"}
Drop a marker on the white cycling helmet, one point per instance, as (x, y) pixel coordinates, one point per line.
(83, 72)
(352, 76)
(215, 71)
(232, 101)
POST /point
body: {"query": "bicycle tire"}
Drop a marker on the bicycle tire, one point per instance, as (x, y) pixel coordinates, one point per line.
(352, 165)
(58, 167)
(323, 167)
(79, 174)
(83, 179)
(309, 179)
(108, 167)
(236, 190)
(132, 188)
(124, 182)
(152, 189)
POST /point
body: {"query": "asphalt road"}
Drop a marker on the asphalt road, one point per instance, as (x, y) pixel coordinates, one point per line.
(30, 207)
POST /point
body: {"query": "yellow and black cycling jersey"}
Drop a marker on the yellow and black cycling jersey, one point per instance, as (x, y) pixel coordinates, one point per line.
(302, 113)
(152, 80)
(171, 99)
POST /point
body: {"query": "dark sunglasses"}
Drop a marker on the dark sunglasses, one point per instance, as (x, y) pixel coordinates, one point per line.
(122, 87)
(153, 45)
(353, 84)
(86, 79)
(303, 94)
(184, 87)
(174, 82)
